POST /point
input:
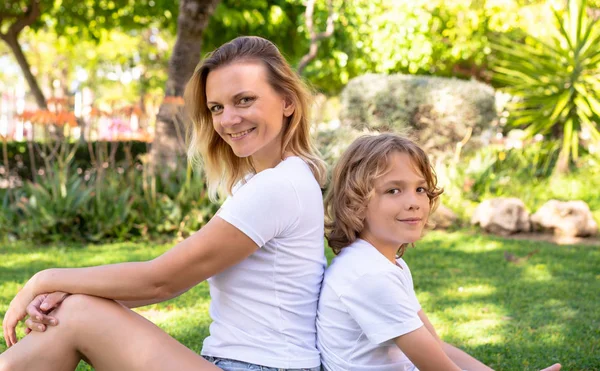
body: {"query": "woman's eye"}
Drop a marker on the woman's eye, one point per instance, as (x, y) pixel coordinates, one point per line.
(215, 109)
(246, 100)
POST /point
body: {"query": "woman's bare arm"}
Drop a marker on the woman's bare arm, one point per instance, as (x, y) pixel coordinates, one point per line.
(217, 246)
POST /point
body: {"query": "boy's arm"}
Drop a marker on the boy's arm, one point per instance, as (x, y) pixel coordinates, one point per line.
(425, 351)
(461, 358)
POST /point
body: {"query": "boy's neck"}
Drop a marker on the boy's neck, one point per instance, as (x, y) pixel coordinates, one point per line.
(388, 251)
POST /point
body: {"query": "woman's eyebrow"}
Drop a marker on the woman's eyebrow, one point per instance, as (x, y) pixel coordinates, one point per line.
(237, 96)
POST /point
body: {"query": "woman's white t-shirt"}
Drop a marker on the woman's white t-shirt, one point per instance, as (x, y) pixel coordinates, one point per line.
(264, 308)
(366, 302)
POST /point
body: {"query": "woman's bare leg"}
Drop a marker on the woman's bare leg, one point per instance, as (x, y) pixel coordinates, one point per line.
(108, 335)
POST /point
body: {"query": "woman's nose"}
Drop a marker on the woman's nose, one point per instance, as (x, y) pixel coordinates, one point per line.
(230, 117)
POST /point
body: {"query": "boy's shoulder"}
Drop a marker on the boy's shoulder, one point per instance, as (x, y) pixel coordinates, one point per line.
(356, 260)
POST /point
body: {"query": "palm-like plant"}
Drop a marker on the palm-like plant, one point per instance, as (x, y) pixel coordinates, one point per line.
(557, 81)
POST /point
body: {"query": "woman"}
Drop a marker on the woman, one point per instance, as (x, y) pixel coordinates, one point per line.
(262, 253)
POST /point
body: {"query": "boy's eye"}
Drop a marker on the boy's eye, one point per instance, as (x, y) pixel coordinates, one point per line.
(393, 191)
(422, 190)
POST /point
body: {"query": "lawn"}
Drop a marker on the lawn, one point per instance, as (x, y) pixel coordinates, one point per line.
(512, 316)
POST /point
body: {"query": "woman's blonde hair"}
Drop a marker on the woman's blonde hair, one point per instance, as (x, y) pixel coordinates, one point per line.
(222, 167)
(365, 160)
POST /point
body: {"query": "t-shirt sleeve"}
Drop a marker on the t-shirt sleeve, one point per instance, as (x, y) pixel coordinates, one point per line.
(408, 274)
(264, 208)
(382, 306)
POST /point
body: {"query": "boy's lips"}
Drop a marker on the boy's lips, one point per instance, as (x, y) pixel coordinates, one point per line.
(410, 220)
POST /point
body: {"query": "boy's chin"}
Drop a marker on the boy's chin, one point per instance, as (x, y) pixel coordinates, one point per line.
(412, 239)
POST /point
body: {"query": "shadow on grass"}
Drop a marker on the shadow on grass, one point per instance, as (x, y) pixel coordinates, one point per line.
(511, 316)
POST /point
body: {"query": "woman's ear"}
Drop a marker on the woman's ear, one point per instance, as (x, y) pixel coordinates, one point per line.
(288, 106)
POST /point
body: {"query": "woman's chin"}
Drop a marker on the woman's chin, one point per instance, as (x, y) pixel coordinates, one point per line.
(242, 152)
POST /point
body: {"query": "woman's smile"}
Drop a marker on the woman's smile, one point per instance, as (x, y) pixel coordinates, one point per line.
(241, 134)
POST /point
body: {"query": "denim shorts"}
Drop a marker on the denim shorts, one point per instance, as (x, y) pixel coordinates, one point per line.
(233, 365)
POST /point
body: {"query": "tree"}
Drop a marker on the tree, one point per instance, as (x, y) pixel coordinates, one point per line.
(314, 36)
(78, 20)
(192, 20)
(20, 20)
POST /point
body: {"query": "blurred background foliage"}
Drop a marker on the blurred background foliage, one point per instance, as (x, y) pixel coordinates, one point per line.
(503, 93)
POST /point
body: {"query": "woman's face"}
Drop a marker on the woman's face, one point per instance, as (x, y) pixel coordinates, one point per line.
(247, 112)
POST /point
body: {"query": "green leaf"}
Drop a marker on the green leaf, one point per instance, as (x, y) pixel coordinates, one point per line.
(582, 105)
(562, 102)
(563, 30)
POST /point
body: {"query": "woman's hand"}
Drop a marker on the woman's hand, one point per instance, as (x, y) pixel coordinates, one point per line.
(38, 311)
(17, 310)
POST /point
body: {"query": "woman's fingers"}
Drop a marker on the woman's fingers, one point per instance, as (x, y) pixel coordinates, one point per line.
(52, 301)
(9, 325)
(31, 325)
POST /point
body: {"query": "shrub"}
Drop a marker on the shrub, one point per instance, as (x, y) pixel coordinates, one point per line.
(19, 155)
(525, 173)
(51, 208)
(117, 203)
(438, 112)
(556, 81)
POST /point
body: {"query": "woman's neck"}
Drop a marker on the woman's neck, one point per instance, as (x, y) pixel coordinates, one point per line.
(260, 164)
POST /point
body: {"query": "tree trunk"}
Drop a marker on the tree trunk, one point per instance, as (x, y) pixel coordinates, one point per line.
(168, 143)
(11, 37)
(15, 47)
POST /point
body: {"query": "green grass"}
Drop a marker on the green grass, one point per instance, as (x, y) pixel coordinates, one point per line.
(511, 316)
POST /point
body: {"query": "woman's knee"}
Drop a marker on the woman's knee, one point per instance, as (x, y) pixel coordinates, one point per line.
(79, 307)
(4, 363)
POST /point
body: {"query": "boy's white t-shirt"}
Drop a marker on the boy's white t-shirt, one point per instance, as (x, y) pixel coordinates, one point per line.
(366, 302)
(264, 308)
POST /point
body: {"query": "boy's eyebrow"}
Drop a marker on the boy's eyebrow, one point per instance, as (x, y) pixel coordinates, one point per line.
(419, 182)
(235, 97)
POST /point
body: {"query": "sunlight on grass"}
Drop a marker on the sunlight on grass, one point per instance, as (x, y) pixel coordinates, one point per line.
(176, 316)
(468, 292)
(511, 316)
(538, 273)
(480, 246)
(473, 325)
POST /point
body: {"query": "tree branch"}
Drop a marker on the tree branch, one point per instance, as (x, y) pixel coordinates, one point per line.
(11, 37)
(315, 37)
(31, 14)
(7, 15)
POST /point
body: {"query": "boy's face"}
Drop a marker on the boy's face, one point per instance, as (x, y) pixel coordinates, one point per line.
(399, 206)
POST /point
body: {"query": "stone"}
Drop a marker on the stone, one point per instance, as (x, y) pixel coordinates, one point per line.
(443, 217)
(565, 218)
(502, 216)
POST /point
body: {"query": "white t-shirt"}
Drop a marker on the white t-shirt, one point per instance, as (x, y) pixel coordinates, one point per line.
(264, 308)
(366, 301)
